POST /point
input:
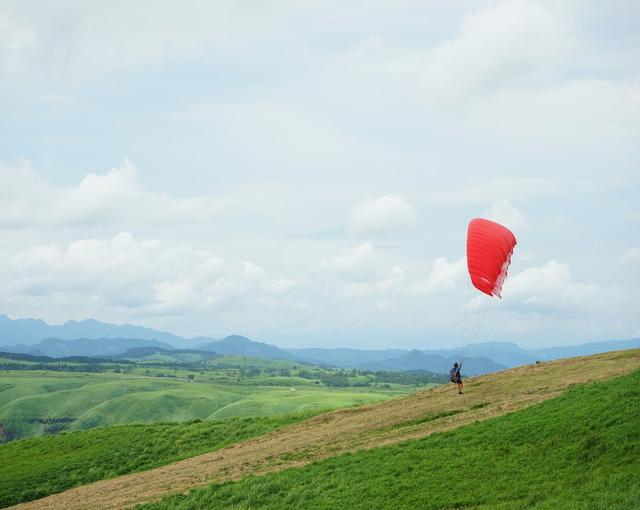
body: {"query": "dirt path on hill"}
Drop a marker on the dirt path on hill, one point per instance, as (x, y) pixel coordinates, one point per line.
(418, 415)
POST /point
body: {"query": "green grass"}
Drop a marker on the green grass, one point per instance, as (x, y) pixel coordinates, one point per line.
(43, 402)
(579, 451)
(36, 467)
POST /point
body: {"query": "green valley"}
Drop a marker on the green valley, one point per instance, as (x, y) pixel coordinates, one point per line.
(48, 396)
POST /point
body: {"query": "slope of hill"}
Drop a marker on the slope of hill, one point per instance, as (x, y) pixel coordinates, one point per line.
(35, 467)
(580, 450)
(391, 422)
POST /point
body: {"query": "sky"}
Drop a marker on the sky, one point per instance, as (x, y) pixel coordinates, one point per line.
(303, 172)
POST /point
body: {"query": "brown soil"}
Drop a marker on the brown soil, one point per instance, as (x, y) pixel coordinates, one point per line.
(369, 426)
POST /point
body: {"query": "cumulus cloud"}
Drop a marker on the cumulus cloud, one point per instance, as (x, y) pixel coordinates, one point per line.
(577, 110)
(114, 197)
(366, 100)
(355, 290)
(548, 287)
(141, 277)
(505, 213)
(100, 37)
(361, 272)
(631, 256)
(507, 74)
(388, 213)
(496, 44)
(358, 264)
(444, 276)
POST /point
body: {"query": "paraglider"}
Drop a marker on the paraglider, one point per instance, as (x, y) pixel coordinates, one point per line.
(489, 250)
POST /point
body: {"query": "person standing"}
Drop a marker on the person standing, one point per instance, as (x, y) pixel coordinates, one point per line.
(455, 377)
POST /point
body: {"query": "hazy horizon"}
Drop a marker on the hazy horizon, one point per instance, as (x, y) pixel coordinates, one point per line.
(303, 174)
(309, 342)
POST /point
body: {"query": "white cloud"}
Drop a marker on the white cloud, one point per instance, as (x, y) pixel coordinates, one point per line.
(270, 129)
(631, 256)
(278, 286)
(548, 287)
(17, 38)
(114, 36)
(358, 264)
(579, 110)
(444, 276)
(490, 190)
(496, 44)
(360, 273)
(379, 73)
(28, 201)
(388, 213)
(384, 306)
(508, 75)
(505, 213)
(172, 297)
(359, 289)
(138, 277)
(277, 120)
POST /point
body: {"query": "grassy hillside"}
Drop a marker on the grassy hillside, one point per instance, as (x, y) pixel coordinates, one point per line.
(581, 450)
(36, 467)
(397, 421)
(34, 402)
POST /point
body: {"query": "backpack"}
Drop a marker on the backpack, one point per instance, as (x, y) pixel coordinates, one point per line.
(453, 374)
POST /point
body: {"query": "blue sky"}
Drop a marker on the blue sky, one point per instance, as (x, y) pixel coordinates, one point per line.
(303, 172)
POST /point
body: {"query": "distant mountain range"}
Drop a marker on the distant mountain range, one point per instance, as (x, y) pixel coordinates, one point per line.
(419, 360)
(114, 347)
(32, 331)
(396, 360)
(236, 344)
(104, 347)
(100, 339)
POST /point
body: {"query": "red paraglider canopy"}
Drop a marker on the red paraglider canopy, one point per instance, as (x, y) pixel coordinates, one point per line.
(489, 249)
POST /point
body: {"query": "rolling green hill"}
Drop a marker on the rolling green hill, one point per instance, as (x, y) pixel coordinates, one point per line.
(581, 450)
(430, 449)
(33, 403)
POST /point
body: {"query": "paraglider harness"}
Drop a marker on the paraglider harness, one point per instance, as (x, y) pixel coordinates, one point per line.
(454, 374)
